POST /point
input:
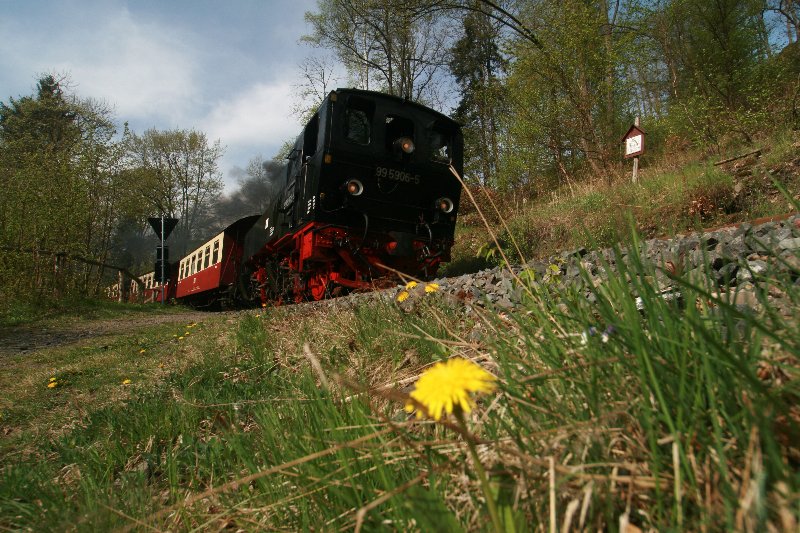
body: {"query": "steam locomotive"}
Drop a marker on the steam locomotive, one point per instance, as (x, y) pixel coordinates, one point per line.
(368, 196)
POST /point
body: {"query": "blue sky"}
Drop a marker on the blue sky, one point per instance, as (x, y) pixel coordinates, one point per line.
(228, 69)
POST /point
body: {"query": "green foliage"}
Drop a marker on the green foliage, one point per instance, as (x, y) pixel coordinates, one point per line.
(478, 65)
(57, 162)
(567, 96)
(177, 174)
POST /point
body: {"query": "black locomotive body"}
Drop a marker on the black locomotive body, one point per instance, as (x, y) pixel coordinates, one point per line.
(369, 192)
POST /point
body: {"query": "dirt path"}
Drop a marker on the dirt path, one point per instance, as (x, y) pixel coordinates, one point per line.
(31, 338)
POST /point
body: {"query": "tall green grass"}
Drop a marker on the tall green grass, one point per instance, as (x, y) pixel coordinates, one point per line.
(668, 413)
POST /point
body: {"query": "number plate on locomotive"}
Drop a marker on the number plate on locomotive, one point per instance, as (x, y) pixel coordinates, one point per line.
(397, 175)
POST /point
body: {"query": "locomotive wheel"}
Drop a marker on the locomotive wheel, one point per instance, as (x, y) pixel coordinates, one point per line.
(318, 285)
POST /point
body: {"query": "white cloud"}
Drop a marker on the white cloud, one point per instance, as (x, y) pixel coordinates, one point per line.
(144, 69)
(257, 116)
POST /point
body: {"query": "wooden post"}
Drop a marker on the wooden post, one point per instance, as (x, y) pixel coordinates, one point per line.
(635, 177)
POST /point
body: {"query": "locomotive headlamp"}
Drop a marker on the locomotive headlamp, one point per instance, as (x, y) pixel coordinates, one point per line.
(445, 205)
(354, 187)
(405, 144)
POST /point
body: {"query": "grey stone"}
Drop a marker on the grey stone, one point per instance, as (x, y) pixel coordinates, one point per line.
(743, 229)
(789, 244)
(764, 229)
(727, 274)
(757, 244)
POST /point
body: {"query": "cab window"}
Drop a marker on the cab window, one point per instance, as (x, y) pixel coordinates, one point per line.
(441, 144)
(358, 120)
(310, 135)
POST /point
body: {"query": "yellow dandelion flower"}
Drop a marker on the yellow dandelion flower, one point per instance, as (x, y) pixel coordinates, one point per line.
(263, 305)
(411, 284)
(126, 382)
(187, 333)
(142, 350)
(258, 316)
(175, 335)
(431, 287)
(52, 385)
(447, 386)
(180, 338)
(52, 380)
(403, 296)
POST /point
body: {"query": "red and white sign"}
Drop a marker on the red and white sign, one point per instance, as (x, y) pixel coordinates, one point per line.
(634, 142)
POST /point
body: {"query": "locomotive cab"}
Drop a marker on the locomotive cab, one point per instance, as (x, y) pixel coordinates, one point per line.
(388, 164)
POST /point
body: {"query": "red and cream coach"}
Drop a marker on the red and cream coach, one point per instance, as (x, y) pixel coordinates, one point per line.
(214, 265)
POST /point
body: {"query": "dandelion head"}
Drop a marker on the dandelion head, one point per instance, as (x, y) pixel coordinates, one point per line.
(187, 333)
(126, 382)
(180, 338)
(142, 350)
(448, 386)
(411, 284)
(402, 296)
(431, 287)
(52, 385)
(52, 379)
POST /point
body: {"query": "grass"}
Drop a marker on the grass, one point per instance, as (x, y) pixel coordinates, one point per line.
(682, 416)
(20, 312)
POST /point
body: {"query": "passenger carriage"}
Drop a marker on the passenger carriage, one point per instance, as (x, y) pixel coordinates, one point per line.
(213, 267)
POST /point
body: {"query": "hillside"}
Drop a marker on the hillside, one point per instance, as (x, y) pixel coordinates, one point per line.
(684, 192)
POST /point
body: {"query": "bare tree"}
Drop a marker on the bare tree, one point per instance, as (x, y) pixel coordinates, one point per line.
(317, 79)
(388, 45)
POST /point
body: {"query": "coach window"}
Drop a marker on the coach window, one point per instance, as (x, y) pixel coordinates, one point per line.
(206, 256)
(358, 120)
(216, 253)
